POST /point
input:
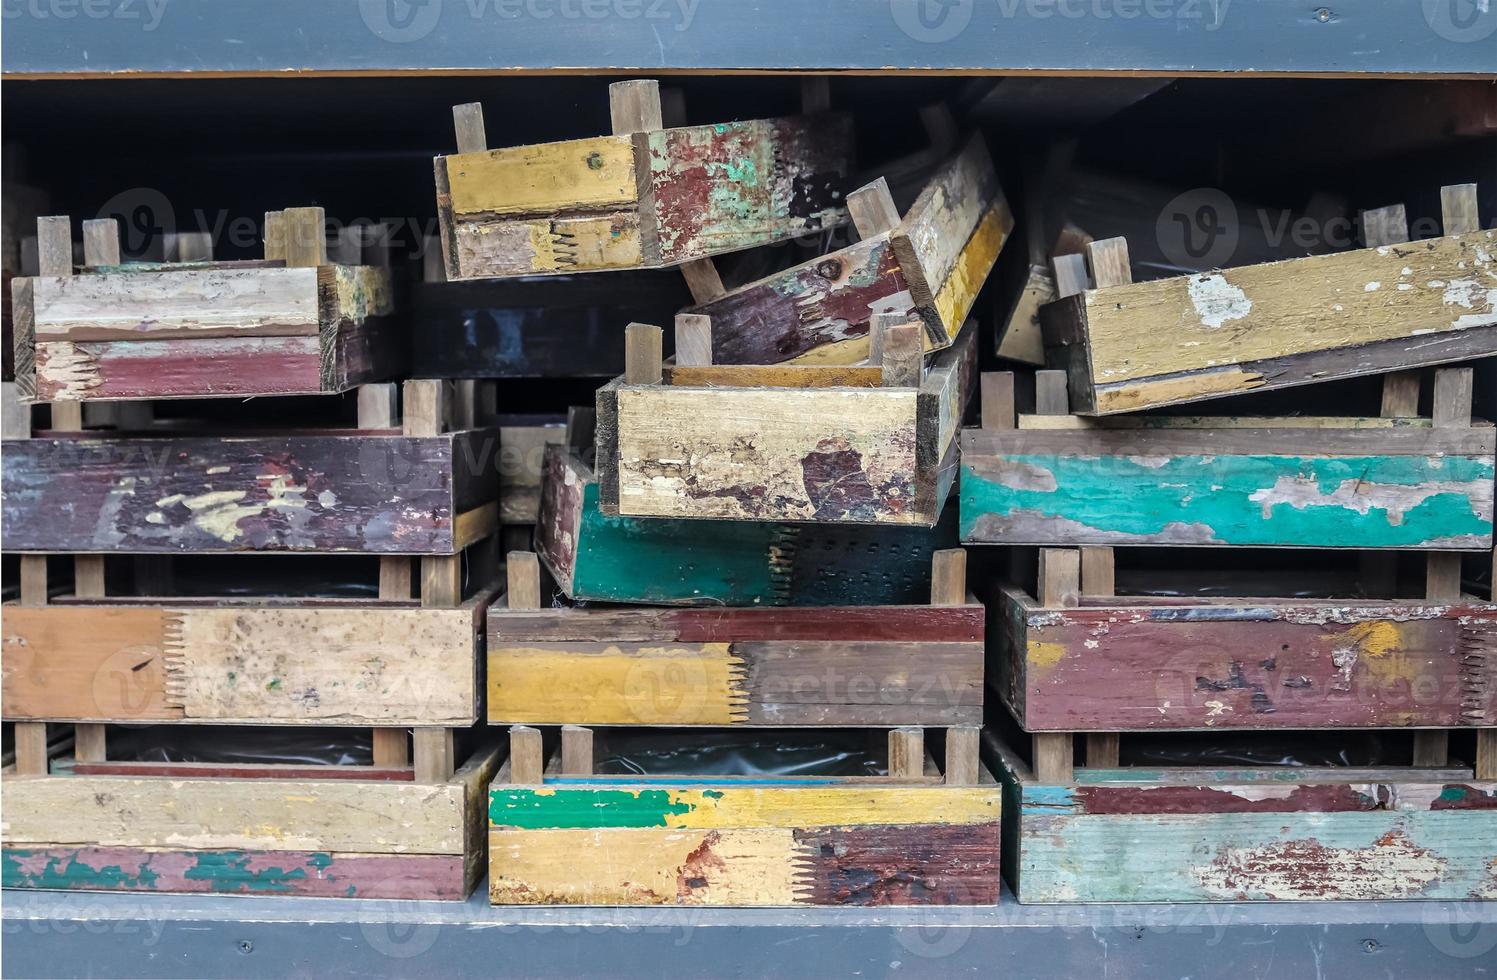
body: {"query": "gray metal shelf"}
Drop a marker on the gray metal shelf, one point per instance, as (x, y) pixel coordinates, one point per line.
(77, 37)
(79, 934)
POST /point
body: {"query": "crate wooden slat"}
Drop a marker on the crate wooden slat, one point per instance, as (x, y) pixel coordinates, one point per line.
(1211, 834)
(1148, 663)
(289, 836)
(594, 557)
(644, 197)
(365, 491)
(929, 265)
(1396, 306)
(877, 455)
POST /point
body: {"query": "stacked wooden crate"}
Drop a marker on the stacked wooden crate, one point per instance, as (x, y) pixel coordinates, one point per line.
(782, 591)
(1410, 653)
(120, 492)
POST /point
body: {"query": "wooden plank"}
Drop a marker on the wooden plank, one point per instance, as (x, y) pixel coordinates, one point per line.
(1122, 665)
(948, 579)
(188, 303)
(693, 340)
(1060, 578)
(1385, 226)
(1278, 487)
(526, 758)
(467, 120)
(997, 408)
(1021, 338)
(242, 664)
(392, 747)
(101, 242)
(373, 494)
(575, 175)
(634, 106)
(903, 356)
(245, 770)
(523, 571)
(307, 873)
(920, 864)
(906, 753)
(1458, 209)
(522, 454)
(1292, 322)
(642, 354)
(1054, 756)
(1109, 264)
(546, 246)
(774, 376)
(433, 755)
(963, 765)
(576, 750)
(441, 581)
(54, 246)
(322, 815)
(306, 237)
(842, 683)
(703, 280)
(34, 587)
(31, 748)
(872, 209)
(14, 413)
(1401, 394)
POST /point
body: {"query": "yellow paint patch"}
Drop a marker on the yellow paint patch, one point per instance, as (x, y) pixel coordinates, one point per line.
(1042, 656)
(1384, 652)
(854, 350)
(629, 866)
(955, 296)
(574, 175)
(848, 805)
(610, 684)
(1142, 394)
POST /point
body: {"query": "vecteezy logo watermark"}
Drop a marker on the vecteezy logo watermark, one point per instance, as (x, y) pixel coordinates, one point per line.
(146, 218)
(1462, 930)
(931, 21)
(1198, 229)
(147, 13)
(1461, 21)
(402, 21)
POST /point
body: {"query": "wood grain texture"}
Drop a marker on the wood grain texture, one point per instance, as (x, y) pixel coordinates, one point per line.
(1206, 835)
(865, 866)
(875, 456)
(310, 874)
(575, 175)
(1137, 665)
(849, 683)
(277, 664)
(775, 376)
(1283, 323)
(1400, 487)
(357, 493)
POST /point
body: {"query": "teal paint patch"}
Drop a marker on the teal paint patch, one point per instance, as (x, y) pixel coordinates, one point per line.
(230, 871)
(1452, 794)
(1235, 500)
(70, 874)
(1048, 799)
(564, 809)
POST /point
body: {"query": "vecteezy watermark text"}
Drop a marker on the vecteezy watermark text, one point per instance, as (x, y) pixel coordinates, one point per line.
(933, 21)
(147, 13)
(402, 21)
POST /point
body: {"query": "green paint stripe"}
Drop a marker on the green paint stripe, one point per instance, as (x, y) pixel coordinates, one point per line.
(531, 809)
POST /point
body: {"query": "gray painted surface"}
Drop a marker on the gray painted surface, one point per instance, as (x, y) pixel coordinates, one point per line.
(1174, 36)
(52, 934)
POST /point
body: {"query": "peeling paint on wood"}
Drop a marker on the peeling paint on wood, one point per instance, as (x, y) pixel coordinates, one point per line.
(1133, 665)
(1278, 324)
(364, 492)
(1277, 838)
(651, 200)
(320, 874)
(1291, 487)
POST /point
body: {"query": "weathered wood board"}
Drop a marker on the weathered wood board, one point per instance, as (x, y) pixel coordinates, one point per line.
(276, 663)
(871, 455)
(1293, 322)
(1139, 664)
(1215, 484)
(543, 327)
(293, 836)
(523, 443)
(366, 491)
(1213, 835)
(652, 199)
(765, 842)
(595, 557)
(930, 266)
(854, 666)
(209, 329)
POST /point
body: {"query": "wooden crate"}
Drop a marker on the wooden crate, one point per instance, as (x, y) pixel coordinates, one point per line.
(662, 561)
(895, 839)
(325, 831)
(381, 488)
(860, 444)
(830, 666)
(1219, 834)
(1394, 305)
(928, 266)
(293, 323)
(1398, 482)
(646, 196)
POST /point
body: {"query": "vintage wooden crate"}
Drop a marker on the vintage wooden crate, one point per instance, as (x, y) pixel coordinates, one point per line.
(851, 666)
(293, 323)
(382, 488)
(684, 839)
(274, 829)
(1222, 834)
(646, 196)
(928, 266)
(858, 444)
(1395, 305)
(594, 557)
(1304, 482)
